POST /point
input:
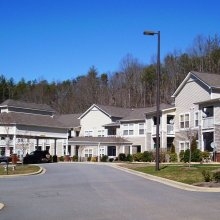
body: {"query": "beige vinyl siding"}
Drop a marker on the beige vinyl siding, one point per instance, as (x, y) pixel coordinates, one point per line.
(217, 113)
(191, 93)
(137, 141)
(93, 121)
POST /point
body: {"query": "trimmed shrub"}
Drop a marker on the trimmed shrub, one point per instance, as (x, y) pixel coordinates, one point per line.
(147, 156)
(205, 155)
(207, 176)
(129, 158)
(172, 150)
(173, 157)
(111, 159)
(137, 157)
(181, 156)
(104, 158)
(75, 158)
(216, 176)
(89, 158)
(186, 156)
(196, 155)
(61, 158)
(122, 157)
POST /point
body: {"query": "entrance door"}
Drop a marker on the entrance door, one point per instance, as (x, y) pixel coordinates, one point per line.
(112, 151)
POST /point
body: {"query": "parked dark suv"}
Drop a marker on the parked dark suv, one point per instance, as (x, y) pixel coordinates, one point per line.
(5, 159)
(37, 156)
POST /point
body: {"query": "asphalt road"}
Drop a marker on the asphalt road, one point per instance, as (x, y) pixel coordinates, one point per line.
(94, 192)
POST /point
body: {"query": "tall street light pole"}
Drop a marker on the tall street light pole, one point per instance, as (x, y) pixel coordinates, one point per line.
(157, 98)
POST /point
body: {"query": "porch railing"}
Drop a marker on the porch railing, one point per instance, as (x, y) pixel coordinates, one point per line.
(207, 122)
(170, 129)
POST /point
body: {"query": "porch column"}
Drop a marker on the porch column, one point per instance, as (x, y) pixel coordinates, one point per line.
(55, 146)
(98, 153)
(130, 149)
(14, 140)
(37, 142)
(117, 150)
(123, 149)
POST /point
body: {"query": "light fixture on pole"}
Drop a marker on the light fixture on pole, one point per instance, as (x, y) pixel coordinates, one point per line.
(158, 96)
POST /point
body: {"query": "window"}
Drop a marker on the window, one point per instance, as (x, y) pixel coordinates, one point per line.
(102, 151)
(184, 120)
(128, 129)
(141, 128)
(183, 145)
(196, 119)
(131, 129)
(101, 133)
(88, 152)
(88, 133)
(125, 129)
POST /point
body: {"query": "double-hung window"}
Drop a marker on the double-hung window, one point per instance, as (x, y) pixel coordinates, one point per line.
(88, 133)
(101, 133)
(128, 129)
(183, 145)
(141, 128)
(88, 152)
(196, 119)
(184, 120)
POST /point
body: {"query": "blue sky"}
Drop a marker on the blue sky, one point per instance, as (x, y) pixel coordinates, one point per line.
(58, 40)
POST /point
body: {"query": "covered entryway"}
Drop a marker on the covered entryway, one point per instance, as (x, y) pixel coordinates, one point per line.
(98, 146)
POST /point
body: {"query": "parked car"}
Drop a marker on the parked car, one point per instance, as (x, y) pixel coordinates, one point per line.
(37, 156)
(5, 159)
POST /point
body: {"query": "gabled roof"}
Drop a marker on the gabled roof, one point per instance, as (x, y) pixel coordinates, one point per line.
(110, 111)
(26, 105)
(211, 80)
(69, 120)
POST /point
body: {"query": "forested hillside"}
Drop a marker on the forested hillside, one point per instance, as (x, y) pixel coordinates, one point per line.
(133, 85)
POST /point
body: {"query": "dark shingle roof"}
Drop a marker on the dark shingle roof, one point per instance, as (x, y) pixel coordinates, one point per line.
(139, 113)
(211, 79)
(30, 119)
(26, 105)
(99, 140)
(115, 111)
(135, 114)
(69, 120)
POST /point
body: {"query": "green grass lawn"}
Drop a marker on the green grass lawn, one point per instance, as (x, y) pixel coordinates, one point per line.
(180, 173)
(19, 169)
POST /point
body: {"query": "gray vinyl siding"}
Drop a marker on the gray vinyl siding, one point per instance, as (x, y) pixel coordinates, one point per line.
(191, 93)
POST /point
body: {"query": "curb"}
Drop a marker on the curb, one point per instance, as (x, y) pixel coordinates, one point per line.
(41, 171)
(168, 182)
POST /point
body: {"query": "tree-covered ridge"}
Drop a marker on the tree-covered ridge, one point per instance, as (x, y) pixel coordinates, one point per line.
(134, 85)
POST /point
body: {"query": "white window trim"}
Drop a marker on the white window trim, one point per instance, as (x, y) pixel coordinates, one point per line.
(196, 113)
(185, 143)
(129, 128)
(184, 121)
(139, 128)
(101, 133)
(89, 152)
(88, 133)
